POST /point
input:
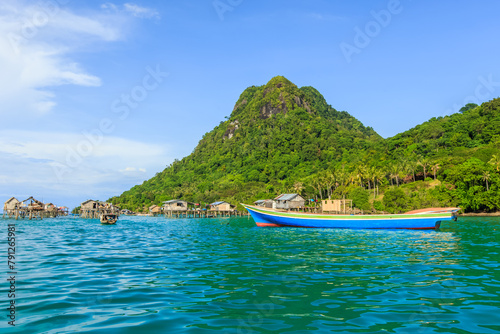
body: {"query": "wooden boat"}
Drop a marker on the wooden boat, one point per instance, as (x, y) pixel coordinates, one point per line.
(419, 219)
(109, 218)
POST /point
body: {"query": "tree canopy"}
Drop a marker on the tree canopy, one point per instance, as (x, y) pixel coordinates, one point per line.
(281, 138)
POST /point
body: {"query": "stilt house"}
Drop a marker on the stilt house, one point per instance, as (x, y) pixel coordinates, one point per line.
(221, 206)
(175, 205)
(289, 201)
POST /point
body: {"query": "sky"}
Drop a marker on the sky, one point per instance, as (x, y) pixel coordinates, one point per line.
(96, 96)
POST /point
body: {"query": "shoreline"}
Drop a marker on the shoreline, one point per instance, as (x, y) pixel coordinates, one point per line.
(480, 214)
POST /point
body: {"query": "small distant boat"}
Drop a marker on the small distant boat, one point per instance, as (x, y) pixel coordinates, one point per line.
(416, 220)
(109, 218)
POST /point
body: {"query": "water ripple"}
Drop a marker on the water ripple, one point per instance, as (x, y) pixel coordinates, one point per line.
(227, 276)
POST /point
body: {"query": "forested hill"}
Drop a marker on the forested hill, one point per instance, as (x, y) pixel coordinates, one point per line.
(460, 135)
(281, 138)
(276, 135)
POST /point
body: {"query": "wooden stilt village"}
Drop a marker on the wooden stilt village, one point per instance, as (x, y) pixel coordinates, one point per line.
(182, 209)
(95, 209)
(31, 208)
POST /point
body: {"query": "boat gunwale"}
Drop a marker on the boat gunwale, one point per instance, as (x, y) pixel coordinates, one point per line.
(306, 215)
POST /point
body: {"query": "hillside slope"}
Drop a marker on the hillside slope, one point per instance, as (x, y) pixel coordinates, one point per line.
(281, 138)
(276, 134)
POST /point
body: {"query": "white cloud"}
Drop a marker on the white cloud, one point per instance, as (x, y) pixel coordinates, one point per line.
(134, 9)
(41, 161)
(132, 169)
(142, 12)
(38, 42)
(39, 45)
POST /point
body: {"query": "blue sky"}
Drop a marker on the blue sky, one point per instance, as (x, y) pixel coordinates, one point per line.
(99, 96)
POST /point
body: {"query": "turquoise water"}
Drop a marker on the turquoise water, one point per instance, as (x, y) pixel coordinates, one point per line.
(153, 275)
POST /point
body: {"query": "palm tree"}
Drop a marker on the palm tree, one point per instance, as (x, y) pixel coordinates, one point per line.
(379, 176)
(486, 177)
(330, 182)
(495, 161)
(369, 176)
(343, 179)
(351, 178)
(403, 167)
(412, 166)
(359, 174)
(435, 168)
(388, 173)
(298, 186)
(342, 176)
(371, 173)
(424, 163)
(317, 183)
(394, 173)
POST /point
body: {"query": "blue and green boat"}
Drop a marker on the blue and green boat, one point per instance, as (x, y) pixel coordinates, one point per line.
(424, 219)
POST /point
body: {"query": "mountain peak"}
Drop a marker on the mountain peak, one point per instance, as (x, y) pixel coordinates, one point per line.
(279, 81)
(276, 132)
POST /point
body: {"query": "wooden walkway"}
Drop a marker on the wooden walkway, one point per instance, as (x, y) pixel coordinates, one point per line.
(204, 214)
(23, 213)
(96, 213)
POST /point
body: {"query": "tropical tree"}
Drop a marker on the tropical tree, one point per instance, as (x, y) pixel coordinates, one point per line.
(486, 177)
(298, 186)
(424, 163)
(394, 173)
(342, 176)
(379, 177)
(468, 106)
(411, 165)
(395, 200)
(495, 161)
(359, 174)
(369, 176)
(330, 182)
(435, 168)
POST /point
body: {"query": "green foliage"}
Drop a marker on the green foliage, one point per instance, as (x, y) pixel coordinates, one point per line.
(378, 206)
(477, 185)
(279, 135)
(467, 107)
(395, 200)
(360, 198)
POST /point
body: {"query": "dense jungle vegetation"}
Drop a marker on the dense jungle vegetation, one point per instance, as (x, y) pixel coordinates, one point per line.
(280, 139)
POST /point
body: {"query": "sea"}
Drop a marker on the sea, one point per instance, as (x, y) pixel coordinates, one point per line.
(161, 275)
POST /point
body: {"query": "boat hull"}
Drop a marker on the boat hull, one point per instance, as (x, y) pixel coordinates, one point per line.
(421, 221)
(108, 219)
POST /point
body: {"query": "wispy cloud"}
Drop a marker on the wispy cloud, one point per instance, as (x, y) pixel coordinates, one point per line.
(30, 160)
(132, 170)
(142, 12)
(133, 9)
(38, 46)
